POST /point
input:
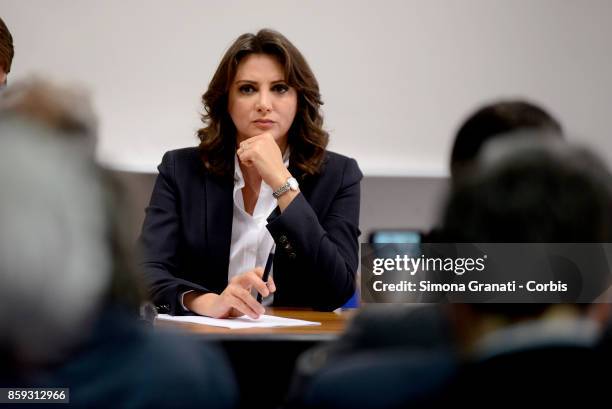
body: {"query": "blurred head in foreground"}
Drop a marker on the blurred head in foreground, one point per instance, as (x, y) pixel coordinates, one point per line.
(498, 119)
(529, 190)
(526, 190)
(69, 292)
(59, 240)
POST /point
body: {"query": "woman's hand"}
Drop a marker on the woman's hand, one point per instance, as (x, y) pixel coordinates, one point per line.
(263, 153)
(235, 300)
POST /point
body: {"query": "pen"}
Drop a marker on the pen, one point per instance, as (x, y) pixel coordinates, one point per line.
(266, 272)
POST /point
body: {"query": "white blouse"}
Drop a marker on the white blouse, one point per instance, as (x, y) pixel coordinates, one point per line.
(251, 241)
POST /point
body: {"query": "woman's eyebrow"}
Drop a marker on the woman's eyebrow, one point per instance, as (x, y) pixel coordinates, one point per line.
(241, 81)
(246, 81)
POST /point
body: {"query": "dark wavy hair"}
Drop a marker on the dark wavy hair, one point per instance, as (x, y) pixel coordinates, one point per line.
(7, 50)
(495, 120)
(306, 137)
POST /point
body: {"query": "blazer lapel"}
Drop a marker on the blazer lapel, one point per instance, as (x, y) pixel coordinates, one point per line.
(218, 218)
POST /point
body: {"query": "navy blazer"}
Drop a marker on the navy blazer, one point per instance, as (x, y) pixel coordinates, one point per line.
(187, 232)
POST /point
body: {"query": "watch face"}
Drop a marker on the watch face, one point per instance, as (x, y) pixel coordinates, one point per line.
(293, 184)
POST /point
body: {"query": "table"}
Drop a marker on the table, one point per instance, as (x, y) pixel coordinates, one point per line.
(279, 348)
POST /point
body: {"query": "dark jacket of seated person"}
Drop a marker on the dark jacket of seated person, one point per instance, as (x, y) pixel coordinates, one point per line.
(187, 231)
(122, 362)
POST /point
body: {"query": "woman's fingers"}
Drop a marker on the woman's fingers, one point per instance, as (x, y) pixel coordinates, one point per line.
(271, 285)
(245, 157)
(235, 313)
(252, 279)
(241, 306)
(256, 146)
(258, 271)
(263, 153)
(257, 276)
(248, 143)
(242, 300)
(248, 148)
(236, 299)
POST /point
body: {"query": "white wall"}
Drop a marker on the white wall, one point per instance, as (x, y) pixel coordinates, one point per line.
(397, 76)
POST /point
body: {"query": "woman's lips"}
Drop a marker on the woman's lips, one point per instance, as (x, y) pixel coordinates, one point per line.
(263, 124)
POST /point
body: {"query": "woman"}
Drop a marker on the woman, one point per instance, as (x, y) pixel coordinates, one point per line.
(260, 180)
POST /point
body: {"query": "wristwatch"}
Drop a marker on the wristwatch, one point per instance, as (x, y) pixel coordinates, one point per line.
(291, 183)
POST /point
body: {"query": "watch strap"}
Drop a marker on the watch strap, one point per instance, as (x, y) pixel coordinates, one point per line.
(284, 188)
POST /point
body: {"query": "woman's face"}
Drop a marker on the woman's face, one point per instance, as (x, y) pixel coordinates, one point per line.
(260, 100)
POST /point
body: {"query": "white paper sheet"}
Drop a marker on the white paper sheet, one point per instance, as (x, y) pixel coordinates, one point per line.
(264, 321)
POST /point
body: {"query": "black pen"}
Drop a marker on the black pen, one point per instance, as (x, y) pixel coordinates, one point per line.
(266, 273)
